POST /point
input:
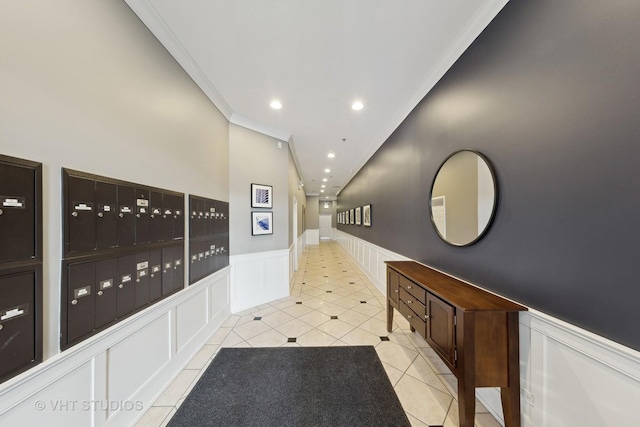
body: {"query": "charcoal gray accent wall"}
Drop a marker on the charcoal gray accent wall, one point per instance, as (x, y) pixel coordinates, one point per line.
(549, 92)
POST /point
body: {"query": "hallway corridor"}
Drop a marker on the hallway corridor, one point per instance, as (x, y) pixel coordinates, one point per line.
(332, 303)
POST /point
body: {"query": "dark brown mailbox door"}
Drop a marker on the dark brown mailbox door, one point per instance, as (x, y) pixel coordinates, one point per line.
(80, 300)
(142, 280)
(17, 212)
(223, 209)
(81, 215)
(167, 217)
(107, 215)
(209, 217)
(193, 262)
(178, 267)
(155, 275)
(126, 270)
(155, 217)
(106, 284)
(178, 217)
(17, 312)
(143, 216)
(126, 216)
(167, 271)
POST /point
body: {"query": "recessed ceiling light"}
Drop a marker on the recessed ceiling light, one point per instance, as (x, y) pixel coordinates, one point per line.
(324, 179)
(322, 191)
(275, 104)
(327, 170)
(331, 155)
(357, 105)
(323, 186)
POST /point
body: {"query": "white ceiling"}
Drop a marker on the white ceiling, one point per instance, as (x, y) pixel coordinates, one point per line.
(317, 58)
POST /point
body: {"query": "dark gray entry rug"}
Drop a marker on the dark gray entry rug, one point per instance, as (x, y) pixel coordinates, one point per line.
(293, 386)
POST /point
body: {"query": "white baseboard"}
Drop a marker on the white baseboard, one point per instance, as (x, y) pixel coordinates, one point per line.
(121, 370)
(258, 278)
(568, 376)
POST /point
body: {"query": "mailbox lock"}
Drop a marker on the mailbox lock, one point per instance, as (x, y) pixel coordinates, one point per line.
(137, 280)
(1, 212)
(152, 275)
(121, 286)
(1, 327)
(74, 302)
(100, 293)
(100, 214)
(74, 213)
(153, 216)
(137, 215)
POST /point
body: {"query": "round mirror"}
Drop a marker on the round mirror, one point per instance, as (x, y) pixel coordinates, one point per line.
(463, 198)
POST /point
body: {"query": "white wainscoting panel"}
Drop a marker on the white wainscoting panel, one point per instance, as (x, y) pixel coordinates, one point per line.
(312, 237)
(122, 370)
(258, 278)
(191, 316)
(569, 377)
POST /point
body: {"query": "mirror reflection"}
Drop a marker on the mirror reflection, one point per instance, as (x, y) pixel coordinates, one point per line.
(463, 198)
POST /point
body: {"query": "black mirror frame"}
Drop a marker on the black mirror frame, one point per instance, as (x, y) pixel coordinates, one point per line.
(495, 198)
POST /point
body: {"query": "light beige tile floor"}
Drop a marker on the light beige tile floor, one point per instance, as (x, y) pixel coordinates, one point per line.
(333, 303)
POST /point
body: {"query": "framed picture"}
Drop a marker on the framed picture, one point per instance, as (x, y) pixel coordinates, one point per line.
(351, 217)
(358, 215)
(366, 215)
(261, 196)
(261, 223)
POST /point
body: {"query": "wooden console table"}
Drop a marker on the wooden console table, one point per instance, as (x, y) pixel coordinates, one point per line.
(474, 332)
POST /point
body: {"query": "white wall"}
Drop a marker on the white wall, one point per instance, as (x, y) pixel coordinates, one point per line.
(569, 377)
(84, 85)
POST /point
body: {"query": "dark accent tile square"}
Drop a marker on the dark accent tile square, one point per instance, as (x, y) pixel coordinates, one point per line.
(298, 302)
(257, 318)
(352, 283)
(384, 338)
(291, 339)
(363, 302)
(326, 276)
(329, 292)
(334, 317)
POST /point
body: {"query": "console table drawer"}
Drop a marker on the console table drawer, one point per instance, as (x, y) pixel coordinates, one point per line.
(413, 303)
(416, 322)
(418, 292)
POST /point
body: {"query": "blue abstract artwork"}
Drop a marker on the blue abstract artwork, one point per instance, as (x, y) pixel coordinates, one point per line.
(261, 223)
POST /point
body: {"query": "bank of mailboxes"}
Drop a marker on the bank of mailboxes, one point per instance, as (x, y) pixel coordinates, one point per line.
(209, 237)
(101, 292)
(101, 213)
(208, 256)
(20, 265)
(124, 250)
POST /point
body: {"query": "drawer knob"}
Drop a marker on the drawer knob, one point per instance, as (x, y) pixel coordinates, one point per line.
(121, 215)
(408, 286)
(1, 212)
(409, 301)
(396, 291)
(409, 317)
(427, 317)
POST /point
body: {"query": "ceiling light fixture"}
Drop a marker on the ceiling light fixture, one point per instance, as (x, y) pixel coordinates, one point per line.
(357, 106)
(324, 180)
(323, 186)
(275, 104)
(327, 170)
(322, 191)
(331, 155)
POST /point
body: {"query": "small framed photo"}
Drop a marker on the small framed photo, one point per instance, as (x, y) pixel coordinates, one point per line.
(261, 223)
(366, 215)
(358, 215)
(261, 196)
(352, 216)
